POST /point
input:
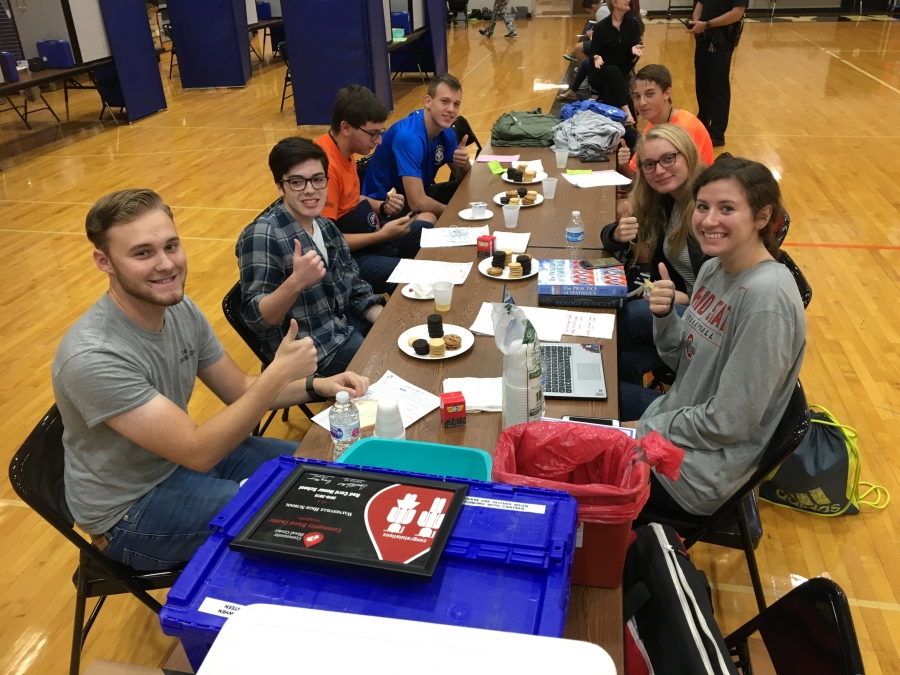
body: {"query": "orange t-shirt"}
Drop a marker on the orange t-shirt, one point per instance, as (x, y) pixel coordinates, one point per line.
(343, 181)
(697, 131)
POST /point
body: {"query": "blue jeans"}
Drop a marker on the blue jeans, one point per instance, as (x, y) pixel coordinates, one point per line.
(168, 524)
(377, 264)
(347, 351)
(637, 352)
(634, 401)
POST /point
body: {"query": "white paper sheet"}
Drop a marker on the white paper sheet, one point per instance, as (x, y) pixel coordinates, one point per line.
(428, 271)
(597, 179)
(482, 394)
(516, 242)
(414, 403)
(585, 324)
(549, 323)
(439, 237)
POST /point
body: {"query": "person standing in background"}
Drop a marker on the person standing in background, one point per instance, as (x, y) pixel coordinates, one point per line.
(717, 25)
(499, 10)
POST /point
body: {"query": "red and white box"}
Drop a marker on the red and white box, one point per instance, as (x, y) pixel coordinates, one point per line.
(486, 245)
(453, 409)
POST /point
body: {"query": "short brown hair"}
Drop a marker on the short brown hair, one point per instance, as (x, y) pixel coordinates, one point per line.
(118, 208)
(447, 79)
(657, 74)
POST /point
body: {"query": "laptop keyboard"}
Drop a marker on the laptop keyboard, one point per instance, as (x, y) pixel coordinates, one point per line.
(558, 361)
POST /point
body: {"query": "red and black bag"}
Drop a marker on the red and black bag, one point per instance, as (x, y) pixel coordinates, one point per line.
(669, 623)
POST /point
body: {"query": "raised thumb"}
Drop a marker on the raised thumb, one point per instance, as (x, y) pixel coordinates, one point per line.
(298, 247)
(622, 143)
(292, 330)
(663, 272)
(465, 141)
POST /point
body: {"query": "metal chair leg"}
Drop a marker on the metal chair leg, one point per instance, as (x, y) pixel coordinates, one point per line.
(91, 619)
(78, 623)
(751, 557)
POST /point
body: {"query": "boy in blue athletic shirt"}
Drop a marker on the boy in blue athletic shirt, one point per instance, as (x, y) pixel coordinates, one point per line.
(413, 149)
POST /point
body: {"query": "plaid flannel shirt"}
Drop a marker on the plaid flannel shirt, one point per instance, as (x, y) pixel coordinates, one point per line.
(265, 251)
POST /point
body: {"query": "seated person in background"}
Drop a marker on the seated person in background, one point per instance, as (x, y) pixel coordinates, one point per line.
(357, 124)
(295, 265)
(582, 50)
(141, 477)
(660, 232)
(651, 94)
(737, 350)
(413, 149)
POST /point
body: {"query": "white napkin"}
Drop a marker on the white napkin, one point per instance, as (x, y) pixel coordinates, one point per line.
(482, 394)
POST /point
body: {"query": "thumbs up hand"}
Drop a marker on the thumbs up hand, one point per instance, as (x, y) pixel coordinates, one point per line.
(461, 155)
(663, 294)
(623, 154)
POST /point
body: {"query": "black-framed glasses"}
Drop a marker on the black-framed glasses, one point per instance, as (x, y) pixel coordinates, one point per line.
(374, 135)
(666, 161)
(298, 183)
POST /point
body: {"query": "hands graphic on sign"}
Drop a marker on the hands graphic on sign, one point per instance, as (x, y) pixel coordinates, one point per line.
(402, 514)
(430, 521)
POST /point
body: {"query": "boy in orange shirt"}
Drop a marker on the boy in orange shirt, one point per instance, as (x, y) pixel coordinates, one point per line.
(376, 239)
(652, 96)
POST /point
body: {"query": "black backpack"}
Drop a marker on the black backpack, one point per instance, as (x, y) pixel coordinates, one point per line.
(669, 624)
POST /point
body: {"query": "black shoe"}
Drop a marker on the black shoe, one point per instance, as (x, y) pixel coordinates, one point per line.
(718, 142)
(485, 33)
(514, 34)
(569, 57)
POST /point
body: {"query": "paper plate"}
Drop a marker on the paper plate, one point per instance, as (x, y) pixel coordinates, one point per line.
(538, 177)
(538, 200)
(466, 214)
(408, 292)
(422, 332)
(487, 262)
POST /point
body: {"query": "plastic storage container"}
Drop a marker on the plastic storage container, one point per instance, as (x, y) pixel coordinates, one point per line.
(263, 11)
(401, 20)
(506, 566)
(56, 53)
(417, 457)
(8, 67)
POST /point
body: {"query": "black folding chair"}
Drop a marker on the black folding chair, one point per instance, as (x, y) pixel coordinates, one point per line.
(36, 474)
(167, 29)
(283, 50)
(802, 284)
(719, 528)
(809, 630)
(106, 82)
(231, 307)
(462, 128)
(454, 9)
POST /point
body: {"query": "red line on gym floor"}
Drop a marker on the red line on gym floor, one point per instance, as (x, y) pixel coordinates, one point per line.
(871, 247)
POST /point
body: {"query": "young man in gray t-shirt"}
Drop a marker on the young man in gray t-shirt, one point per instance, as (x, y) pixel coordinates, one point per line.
(141, 477)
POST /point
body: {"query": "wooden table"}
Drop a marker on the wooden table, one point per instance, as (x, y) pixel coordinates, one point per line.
(547, 222)
(595, 614)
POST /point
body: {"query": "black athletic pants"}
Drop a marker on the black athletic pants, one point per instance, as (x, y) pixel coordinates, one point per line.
(712, 71)
(609, 82)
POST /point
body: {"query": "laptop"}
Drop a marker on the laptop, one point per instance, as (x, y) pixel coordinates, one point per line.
(573, 370)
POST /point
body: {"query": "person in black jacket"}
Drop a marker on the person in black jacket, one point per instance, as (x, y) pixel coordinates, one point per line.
(659, 232)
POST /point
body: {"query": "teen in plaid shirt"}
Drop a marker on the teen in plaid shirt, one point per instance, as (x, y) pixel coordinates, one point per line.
(295, 264)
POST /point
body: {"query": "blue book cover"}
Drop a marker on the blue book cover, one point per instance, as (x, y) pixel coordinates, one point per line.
(570, 277)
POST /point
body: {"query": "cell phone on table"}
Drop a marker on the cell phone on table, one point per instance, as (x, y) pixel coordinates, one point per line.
(592, 420)
(597, 263)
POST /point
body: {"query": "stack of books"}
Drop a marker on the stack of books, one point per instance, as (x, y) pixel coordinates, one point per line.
(568, 283)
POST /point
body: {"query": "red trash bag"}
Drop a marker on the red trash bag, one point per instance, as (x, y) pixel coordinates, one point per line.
(605, 470)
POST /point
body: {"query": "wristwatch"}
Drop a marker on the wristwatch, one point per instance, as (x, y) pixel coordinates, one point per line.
(709, 24)
(381, 209)
(314, 397)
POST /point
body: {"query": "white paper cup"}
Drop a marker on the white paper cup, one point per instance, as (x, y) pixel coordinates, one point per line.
(443, 295)
(549, 185)
(478, 209)
(562, 156)
(511, 215)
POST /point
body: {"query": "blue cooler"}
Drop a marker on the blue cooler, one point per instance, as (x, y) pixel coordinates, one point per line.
(506, 566)
(56, 53)
(8, 67)
(263, 11)
(401, 20)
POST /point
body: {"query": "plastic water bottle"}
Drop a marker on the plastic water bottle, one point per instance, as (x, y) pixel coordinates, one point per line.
(343, 418)
(575, 236)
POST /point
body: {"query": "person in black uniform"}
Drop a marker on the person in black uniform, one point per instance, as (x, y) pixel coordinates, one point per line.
(717, 27)
(615, 43)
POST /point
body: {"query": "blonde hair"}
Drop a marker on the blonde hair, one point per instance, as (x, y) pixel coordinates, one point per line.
(649, 206)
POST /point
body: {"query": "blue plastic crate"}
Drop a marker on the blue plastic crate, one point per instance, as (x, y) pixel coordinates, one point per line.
(432, 458)
(56, 53)
(263, 10)
(505, 567)
(401, 20)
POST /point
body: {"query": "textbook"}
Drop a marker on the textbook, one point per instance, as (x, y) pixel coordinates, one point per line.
(589, 301)
(571, 278)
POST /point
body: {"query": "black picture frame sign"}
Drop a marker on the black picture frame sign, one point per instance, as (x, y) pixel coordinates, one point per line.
(351, 517)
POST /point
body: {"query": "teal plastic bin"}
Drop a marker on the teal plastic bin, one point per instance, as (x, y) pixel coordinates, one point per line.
(417, 457)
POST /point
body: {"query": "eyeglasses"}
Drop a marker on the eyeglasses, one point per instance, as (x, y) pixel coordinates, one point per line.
(666, 161)
(298, 183)
(374, 135)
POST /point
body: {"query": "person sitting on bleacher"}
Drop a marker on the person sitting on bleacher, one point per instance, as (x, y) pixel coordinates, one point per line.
(296, 265)
(357, 124)
(659, 231)
(737, 350)
(599, 10)
(651, 95)
(142, 479)
(413, 149)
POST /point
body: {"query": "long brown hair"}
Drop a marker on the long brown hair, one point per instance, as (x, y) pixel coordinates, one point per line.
(649, 206)
(759, 187)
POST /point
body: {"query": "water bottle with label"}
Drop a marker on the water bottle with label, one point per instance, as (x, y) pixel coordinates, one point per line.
(343, 418)
(575, 236)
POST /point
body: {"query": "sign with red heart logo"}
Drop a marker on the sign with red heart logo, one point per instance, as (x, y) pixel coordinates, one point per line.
(313, 538)
(403, 521)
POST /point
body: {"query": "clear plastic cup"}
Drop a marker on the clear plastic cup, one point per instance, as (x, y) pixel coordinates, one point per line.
(562, 156)
(443, 295)
(511, 215)
(549, 185)
(478, 209)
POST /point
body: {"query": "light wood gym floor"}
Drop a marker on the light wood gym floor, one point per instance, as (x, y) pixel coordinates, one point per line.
(817, 102)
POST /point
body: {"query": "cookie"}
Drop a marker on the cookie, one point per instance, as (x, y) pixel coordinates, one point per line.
(436, 347)
(527, 201)
(522, 167)
(452, 342)
(495, 271)
(523, 258)
(499, 259)
(515, 270)
(509, 254)
(521, 192)
(529, 176)
(514, 200)
(411, 340)
(512, 193)
(420, 346)
(531, 193)
(504, 200)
